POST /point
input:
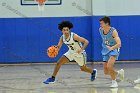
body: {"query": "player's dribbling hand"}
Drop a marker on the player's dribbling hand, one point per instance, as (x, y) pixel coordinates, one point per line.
(110, 48)
(55, 46)
(79, 51)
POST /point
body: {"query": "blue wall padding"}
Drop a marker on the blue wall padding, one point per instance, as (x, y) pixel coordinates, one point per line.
(26, 39)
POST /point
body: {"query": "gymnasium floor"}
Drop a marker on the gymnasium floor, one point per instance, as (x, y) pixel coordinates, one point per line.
(28, 79)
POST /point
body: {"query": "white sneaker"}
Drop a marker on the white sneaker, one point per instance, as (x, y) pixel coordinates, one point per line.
(137, 87)
(121, 74)
(114, 84)
(114, 90)
(137, 81)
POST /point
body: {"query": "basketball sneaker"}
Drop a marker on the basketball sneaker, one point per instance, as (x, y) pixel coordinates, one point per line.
(49, 80)
(114, 84)
(94, 75)
(121, 74)
(137, 81)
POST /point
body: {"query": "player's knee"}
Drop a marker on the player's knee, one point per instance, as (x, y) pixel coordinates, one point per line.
(109, 67)
(105, 68)
(82, 68)
(59, 63)
(105, 72)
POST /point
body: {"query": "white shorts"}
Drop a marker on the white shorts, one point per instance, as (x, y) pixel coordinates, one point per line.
(79, 58)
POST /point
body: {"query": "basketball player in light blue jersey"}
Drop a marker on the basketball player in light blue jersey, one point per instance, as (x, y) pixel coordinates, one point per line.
(110, 50)
(76, 51)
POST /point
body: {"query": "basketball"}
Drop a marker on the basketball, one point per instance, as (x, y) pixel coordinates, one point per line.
(52, 51)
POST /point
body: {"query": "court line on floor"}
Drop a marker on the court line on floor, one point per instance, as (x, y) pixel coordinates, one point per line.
(70, 63)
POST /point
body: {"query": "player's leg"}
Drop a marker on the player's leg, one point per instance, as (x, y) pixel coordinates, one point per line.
(110, 67)
(86, 69)
(93, 72)
(120, 73)
(105, 59)
(60, 62)
(81, 60)
(112, 72)
(106, 72)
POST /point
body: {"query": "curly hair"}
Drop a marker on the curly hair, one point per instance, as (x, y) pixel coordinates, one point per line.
(65, 24)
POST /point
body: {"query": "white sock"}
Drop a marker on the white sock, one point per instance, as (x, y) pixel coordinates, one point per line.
(114, 81)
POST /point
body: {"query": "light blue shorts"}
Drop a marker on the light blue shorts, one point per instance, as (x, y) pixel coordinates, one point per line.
(111, 53)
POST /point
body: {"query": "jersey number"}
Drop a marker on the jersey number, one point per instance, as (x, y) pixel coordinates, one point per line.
(71, 48)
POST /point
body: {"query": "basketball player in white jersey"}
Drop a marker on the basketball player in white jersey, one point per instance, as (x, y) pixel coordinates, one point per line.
(76, 51)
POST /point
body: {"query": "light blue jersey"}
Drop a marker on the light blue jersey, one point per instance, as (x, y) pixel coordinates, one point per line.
(108, 40)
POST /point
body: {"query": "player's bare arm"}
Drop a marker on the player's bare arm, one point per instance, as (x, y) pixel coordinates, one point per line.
(117, 39)
(83, 40)
(60, 43)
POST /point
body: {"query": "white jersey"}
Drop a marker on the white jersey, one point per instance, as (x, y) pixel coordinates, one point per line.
(72, 44)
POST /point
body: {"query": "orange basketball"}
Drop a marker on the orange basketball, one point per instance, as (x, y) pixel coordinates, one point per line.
(52, 51)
